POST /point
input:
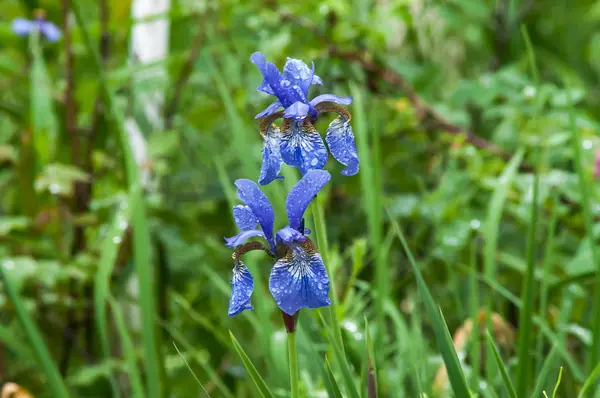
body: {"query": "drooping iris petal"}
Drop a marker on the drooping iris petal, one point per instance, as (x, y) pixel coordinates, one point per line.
(242, 285)
(50, 31)
(299, 279)
(269, 110)
(299, 74)
(270, 74)
(340, 139)
(297, 110)
(23, 27)
(258, 202)
(289, 235)
(271, 164)
(244, 218)
(302, 146)
(242, 237)
(331, 98)
(302, 194)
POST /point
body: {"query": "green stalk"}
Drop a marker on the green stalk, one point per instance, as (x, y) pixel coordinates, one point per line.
(293, 358)
(141, 235)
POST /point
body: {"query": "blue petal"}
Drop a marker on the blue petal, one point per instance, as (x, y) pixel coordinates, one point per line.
(50, 31)
(299, 74)
(23, 27)
(299, 279)
(242, 285)
(302, 146)
(269, 110)
(258, 202)
(244, 218)
(271, 164)
(340, 139)
(316, 80)
(331, 98)
(297, 110)
(302, 194)
(289, 235)
(271, 74)
(242, 237)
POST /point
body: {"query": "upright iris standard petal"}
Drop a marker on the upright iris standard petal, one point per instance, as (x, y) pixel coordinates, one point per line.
(271, 164)
(258, 202)
(298, 110)
(50, 31)
(302, 194)
(270, 73)
(242, 285)
(302, 146)
(23, 27)
(299, 279)
(244, 218)
(289, 235)
(299, 74)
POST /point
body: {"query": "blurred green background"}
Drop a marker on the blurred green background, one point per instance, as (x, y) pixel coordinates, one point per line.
(118, 153)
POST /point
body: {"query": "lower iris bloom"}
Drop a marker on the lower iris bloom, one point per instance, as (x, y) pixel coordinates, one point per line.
(298, 278)
(297, 142)
(24, 27)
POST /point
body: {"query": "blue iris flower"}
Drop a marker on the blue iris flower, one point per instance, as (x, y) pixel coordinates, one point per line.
(297, 142)
(24, 27)
(298, 278)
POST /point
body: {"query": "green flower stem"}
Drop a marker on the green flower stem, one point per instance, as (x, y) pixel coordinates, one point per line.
(293, 358)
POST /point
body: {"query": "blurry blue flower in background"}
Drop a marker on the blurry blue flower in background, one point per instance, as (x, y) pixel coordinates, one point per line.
(298, 278)
(24, 27)
(297, 143)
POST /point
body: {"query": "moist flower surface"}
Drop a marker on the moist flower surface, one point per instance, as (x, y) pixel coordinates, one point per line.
(297, 142)
(298, 278)
(24, 27)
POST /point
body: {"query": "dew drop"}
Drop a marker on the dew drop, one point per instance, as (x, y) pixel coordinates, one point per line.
(116, 240)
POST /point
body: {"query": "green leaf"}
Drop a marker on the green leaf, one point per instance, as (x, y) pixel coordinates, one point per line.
(505, 377)
(10, 224)
(254, 375)
(442, 335)
(337, 392)
(59, 179)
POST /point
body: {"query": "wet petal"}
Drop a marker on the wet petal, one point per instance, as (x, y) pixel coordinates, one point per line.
(269, 110)
(331, 98)
(271, 164)
(297, 110)
(302, 146)
(242, 285)
(316, 80)
(289, 235)
(302, 194)
(299, 279)
(258, 202)
(242, 237)
(299, 74)
(270, 73)
(340, 139)
(244, 218)
(23, 27)
(50, 31)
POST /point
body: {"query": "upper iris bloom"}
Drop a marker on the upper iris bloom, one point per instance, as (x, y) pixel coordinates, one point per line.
(297, 143)
(24, 27)
(298, 278)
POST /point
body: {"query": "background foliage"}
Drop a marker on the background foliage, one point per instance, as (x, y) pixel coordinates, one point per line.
(111, 243)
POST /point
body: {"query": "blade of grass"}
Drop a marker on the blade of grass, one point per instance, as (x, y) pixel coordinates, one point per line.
(528, 294)
(109, 252)
(141, 235)
(442, 335)
(473, 314)
(191, 371)
(337, 393)
(341, 359)
(542, 376)
(505, 377)
(557, 382)
(128, 349)
(40, 350)
(590, 381)
(371, 364)
(254, 375)
(588, 221)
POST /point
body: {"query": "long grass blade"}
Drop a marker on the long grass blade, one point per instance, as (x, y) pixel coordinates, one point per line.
(337, 392)
(191, 371)
(141, 235)
(505, 377)
(542, 376)
(254, 375)
(39, 348)
(442, 335)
